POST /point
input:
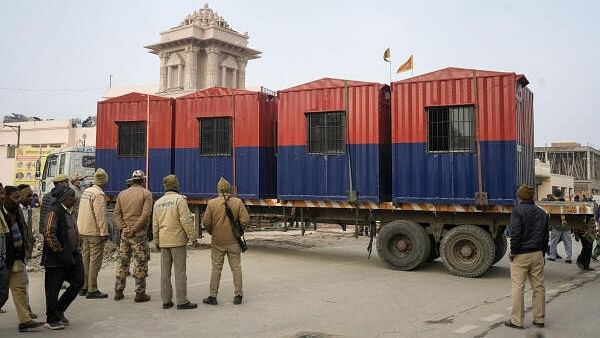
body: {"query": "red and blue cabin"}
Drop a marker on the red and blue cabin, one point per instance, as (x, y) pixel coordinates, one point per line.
(130, 128)
(230, 133)
(434, 136)
(330, 128)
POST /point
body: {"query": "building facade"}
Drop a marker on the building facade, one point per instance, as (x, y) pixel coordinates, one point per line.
(203, 51)
(573, 159)
(546, 182)
(43, 135)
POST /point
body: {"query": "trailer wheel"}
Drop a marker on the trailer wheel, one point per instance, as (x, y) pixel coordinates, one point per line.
(467, 251)
(501, 245)
(403, 245)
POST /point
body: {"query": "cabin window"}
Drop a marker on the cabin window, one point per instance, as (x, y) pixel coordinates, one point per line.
(451, 129)
(326, 133)
(215, 136)
(132, 139)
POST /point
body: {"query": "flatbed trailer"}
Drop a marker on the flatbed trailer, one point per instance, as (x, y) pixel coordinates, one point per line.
(468, 239)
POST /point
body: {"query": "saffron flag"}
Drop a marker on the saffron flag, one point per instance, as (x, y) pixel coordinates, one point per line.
(387, 56)
(406, 66)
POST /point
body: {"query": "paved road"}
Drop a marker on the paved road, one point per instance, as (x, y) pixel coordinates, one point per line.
(321, 286)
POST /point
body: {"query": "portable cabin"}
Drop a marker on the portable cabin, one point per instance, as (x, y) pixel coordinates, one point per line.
(452, 139)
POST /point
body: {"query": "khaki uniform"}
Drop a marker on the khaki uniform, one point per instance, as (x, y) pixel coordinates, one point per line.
(17, 274)
(93, 228)
(17, 281)
(133, 210)
(223, 242)
(522, 266)
(173, 228)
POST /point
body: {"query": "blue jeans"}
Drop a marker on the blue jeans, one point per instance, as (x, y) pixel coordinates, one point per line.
(555, 236)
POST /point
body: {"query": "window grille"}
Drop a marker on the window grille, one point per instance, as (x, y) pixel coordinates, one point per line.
(326, 133)
(451, 129)
(215, 136)
(132, 139)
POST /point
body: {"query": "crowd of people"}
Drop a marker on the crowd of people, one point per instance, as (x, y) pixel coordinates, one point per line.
(74, 228)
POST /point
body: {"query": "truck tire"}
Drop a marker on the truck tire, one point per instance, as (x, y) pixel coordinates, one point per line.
(467, 251)
(403, 245)
(501, 245)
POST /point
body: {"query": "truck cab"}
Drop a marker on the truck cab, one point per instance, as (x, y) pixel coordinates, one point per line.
(67, 161)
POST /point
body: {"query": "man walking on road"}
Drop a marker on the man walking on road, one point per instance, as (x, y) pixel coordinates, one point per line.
(132, 215)
(25, 195)
(16, 242)
(93, 227)
(528, 245)
(562, 233)
(223, 241)
(583, 234)
(61, 258)
(48, 201)
(173, 228)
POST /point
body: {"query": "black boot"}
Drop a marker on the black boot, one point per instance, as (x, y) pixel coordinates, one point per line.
(187, 306)
(210, 300)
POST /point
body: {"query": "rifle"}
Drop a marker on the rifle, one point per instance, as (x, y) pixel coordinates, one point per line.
(236, 227)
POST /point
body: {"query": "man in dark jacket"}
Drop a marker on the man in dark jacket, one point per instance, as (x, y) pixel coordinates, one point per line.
(48, 200)
(16, 240)
(61, 258)
(583, 234)
(528, 244)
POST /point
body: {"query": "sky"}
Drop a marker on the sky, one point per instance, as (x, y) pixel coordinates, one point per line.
(57, 55)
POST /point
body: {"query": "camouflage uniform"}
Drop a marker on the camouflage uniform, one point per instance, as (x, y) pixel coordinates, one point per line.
(132, 214)
(138, 247)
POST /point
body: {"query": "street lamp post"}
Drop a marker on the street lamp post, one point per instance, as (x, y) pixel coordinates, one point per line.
(16, 129)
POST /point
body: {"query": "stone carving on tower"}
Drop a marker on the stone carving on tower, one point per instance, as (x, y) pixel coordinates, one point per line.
(203, 51)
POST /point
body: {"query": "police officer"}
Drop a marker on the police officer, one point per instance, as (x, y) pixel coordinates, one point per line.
(132, 215)
(223, 242)
(173, 228)
(93, 228)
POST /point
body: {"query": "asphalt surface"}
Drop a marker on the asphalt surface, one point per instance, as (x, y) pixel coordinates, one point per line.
(322, 285)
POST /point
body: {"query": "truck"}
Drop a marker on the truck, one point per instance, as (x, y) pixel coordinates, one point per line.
(428, 166)
(67, 161)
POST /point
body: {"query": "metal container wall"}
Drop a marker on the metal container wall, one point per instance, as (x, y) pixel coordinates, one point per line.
(128, 108)
(253, 156)
(303, 176)
(525, 136)
(421, 176)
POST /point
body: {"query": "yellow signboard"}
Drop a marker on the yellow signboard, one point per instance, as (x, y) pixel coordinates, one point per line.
(25, 160)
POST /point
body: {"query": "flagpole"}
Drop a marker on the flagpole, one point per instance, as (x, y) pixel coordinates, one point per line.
(390, 64)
